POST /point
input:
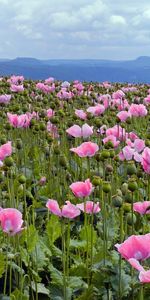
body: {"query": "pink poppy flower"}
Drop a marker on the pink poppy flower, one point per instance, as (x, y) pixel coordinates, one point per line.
(19, 121)
(77, 131)
(42, 180)
(15, 79)
(11, 220)
(96, 110)
(127, 153)
(146, 160)
(142, 207)
(70, 210)
(90, 207)
(133, 136)
(113, 139)
(117, 131)
(64, 94)
(82, 189)
(138, 110)
(49, 80)
(118, 95)
(81, 114)
(65, 84)
(102, 129)
(16, 88)
(50, 113)
(5, 99)
(136, 246)
(135, 264)
(86, 149)
(123, 115)
(137, 157)
(139, 145)
(52, 129)
(144, 276)
(53, 207)
(5, 150)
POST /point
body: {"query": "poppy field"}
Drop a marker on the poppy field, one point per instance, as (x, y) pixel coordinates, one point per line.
(74, 190)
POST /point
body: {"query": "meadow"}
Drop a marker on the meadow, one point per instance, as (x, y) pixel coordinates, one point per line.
(74, 190)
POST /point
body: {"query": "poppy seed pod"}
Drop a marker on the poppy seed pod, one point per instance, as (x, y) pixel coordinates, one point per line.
(106, 187)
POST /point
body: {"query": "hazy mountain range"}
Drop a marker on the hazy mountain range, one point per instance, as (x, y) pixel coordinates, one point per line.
(136, 71)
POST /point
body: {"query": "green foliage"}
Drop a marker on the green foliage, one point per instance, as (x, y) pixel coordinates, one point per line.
(2, 264)
(53, 229)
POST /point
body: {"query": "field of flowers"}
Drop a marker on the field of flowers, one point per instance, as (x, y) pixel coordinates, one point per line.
(74, 190)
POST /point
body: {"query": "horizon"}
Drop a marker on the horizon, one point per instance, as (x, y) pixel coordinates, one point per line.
(74, 59)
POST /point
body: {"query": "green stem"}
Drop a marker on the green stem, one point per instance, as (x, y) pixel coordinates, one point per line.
(64, 260)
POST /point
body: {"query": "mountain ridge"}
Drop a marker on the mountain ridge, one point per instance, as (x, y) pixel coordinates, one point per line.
(136, 71)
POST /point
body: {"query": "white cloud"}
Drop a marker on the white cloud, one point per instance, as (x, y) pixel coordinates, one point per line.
(117, 20)
(83, 28)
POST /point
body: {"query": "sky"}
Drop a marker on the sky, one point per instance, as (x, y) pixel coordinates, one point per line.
(69, 29)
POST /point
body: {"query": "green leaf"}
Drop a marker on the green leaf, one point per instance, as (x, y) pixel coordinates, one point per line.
(77, 244)
(56, 275)
(32, 238)
(88, 233)
(125, 283)
(2, 264)
(40, 287)
(53, 228)
(79, 270)
(17, 295)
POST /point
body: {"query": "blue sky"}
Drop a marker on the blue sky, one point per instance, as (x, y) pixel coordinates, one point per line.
(108, 29)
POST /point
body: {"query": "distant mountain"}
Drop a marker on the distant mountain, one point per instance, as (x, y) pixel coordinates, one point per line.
(135, 71)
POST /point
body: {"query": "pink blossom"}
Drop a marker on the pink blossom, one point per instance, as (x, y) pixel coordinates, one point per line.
(118, 95)
(123, 115)
(70, 210)
(138, 110)
(49, 80)
(89, 207)
(53, 207)
(112, 139)
(77, 131)
(139, 145)
(144, 276)
(15, 79)
(64, 94)
(147, 100)
(42, 180)
(102, 129)
(135, 264)
(86, 149)
(146, 160)
(5, 99)
(5, 150)
(137, 157)
(19, 121)
(127, 153)
(136, 246)
(133, 136)
(45, 88)
(16, 88)
(96, 110)
(52, 129)
(117, 131)
(50, 113)
(142, 207)
(81, 114)
(65, 84)
(82, 189)
(11, 220)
